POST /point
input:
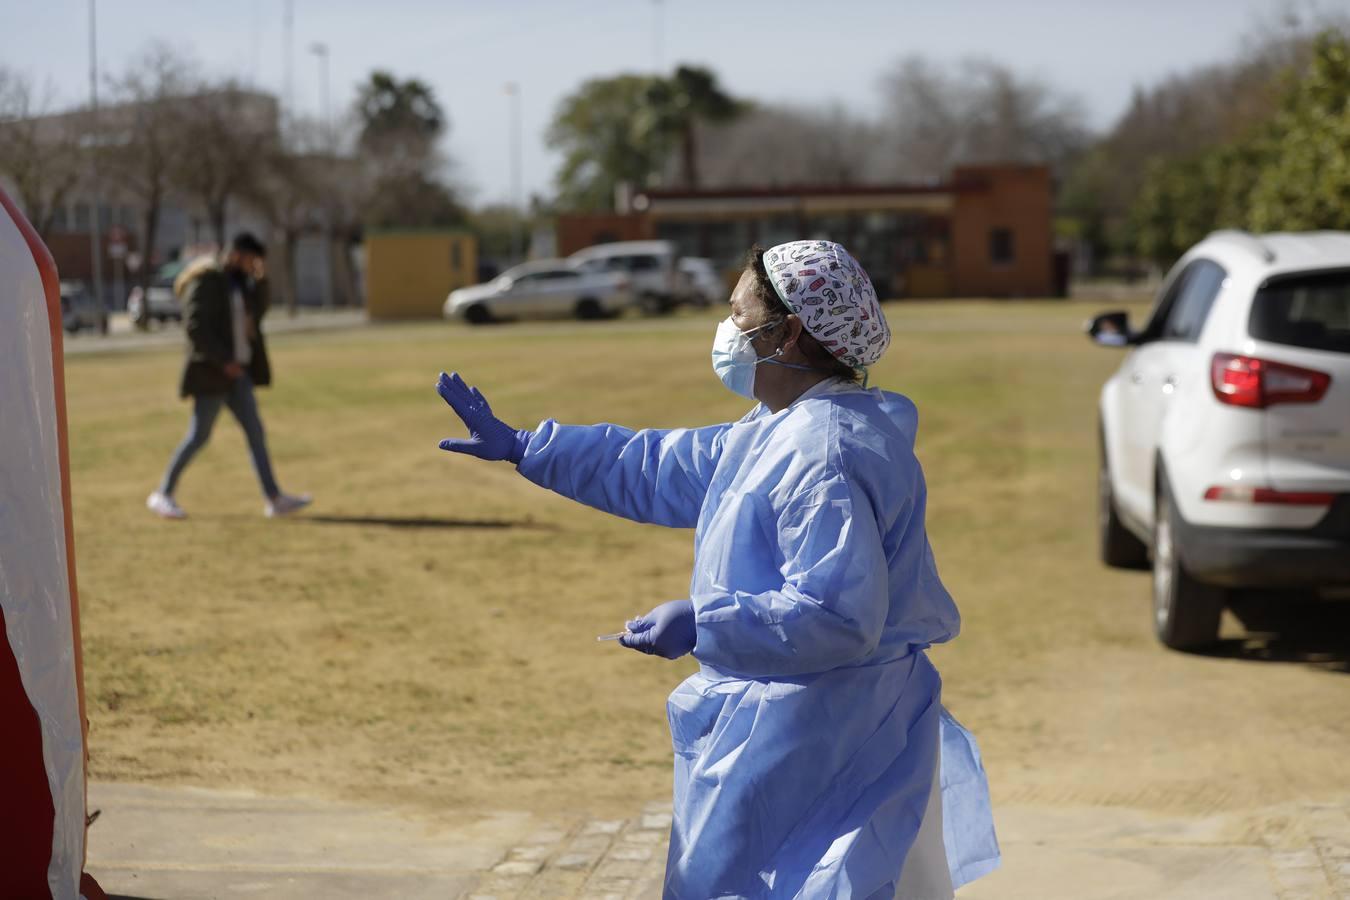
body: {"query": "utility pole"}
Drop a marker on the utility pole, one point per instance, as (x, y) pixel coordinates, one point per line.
(287, 39)
(518, 224)
(320, 50)
(658, 37)
(95, 235)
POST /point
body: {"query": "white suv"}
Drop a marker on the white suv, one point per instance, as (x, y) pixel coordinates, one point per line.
(650, 266)
(1225, 434)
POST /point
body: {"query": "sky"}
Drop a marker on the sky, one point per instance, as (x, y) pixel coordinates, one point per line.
(795, 51)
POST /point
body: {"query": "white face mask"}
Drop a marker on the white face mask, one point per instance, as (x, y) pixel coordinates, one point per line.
(734, 359)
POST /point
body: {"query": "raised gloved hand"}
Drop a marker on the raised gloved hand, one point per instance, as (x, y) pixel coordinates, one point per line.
(666, 631)
(489, 437)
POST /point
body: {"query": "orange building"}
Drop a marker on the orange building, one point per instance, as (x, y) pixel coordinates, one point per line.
(985, 232)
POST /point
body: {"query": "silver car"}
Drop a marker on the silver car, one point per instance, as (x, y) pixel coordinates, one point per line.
(544, 289)
(158, 299)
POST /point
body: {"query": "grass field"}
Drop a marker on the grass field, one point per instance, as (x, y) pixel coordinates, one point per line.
(426, 636)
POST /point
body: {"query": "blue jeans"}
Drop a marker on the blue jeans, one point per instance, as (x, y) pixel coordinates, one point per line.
(205, 408)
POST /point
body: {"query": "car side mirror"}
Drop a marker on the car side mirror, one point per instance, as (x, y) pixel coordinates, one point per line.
(1111, 329)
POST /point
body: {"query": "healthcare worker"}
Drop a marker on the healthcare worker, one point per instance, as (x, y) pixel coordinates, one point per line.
(813, 758)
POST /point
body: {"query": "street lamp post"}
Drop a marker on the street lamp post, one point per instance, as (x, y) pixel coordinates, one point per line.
(320, 50)
(658, 37)
(518, 223)
(288, 29)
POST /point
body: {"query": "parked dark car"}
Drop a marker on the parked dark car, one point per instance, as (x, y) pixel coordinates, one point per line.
(79, 309)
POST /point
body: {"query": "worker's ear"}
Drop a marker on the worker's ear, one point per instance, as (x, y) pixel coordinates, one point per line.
(794, 327)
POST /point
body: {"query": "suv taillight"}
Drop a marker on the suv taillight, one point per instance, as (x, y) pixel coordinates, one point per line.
(1258, 383)
(1246, 494)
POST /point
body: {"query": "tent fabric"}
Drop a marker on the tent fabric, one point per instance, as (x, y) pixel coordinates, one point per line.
(37, 595)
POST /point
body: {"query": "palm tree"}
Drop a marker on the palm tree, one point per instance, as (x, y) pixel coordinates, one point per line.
(677, 105)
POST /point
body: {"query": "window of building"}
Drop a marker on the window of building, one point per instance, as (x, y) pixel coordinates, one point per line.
(60, 221)
(81, 216)
(1001, 246)
(456, 256)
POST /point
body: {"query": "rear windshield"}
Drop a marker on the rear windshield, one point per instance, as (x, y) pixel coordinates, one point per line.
(1310, 311)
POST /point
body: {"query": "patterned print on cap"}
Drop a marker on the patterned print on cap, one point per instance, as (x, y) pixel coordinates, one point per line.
(834, 298)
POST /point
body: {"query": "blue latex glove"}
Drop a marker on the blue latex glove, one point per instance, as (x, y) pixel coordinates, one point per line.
(666, 631)
(489, 437)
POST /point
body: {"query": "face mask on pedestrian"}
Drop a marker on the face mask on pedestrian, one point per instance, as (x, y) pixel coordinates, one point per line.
(734, 358)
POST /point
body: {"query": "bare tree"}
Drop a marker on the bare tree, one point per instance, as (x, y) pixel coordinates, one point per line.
(772, 146)
(1186, 115)
(223, 138)
(977, 111)
(143, 135)
(40, 153)
(346, 190)
(286, 192)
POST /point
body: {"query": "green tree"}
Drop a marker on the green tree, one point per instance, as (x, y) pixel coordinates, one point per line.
(674, 108)
(1153, 217)
(1182, 200)
(399, 119)
(1186, 116)
(1306, 183)
(400, 124)
(602, 142)
(412, 200)
(621, 131)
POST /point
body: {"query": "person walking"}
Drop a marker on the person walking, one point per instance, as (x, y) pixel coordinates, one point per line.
(224, 302)
(813, 756)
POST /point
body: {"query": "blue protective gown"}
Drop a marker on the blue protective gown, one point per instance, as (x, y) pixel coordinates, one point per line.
(807, 744)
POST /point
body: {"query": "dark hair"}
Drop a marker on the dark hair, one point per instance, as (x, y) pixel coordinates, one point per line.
(816, 355)
(245, 242)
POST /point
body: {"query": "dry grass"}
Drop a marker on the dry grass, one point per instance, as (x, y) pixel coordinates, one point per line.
(432, 642)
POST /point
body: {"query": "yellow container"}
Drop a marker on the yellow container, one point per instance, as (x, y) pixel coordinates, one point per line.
(409, 273)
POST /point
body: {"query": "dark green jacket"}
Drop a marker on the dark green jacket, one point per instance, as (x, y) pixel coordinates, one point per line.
(210, 331)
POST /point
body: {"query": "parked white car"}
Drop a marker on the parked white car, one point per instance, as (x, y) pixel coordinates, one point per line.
(544, 289)
(159, 300)
(1225, 434)
(650, 266)
(699, 282)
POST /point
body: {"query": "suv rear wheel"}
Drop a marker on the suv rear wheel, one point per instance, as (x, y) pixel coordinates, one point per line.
(1117, 545)
(1185, 611)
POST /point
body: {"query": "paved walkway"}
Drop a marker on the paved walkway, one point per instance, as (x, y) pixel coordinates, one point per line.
(122, 337)
(159, 843)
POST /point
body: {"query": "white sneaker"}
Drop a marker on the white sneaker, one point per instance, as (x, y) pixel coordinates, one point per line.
(285, 504)
(163, 506)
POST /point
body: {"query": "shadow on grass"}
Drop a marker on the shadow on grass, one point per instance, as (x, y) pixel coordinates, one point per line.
(1291, 629)
(425, 522)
